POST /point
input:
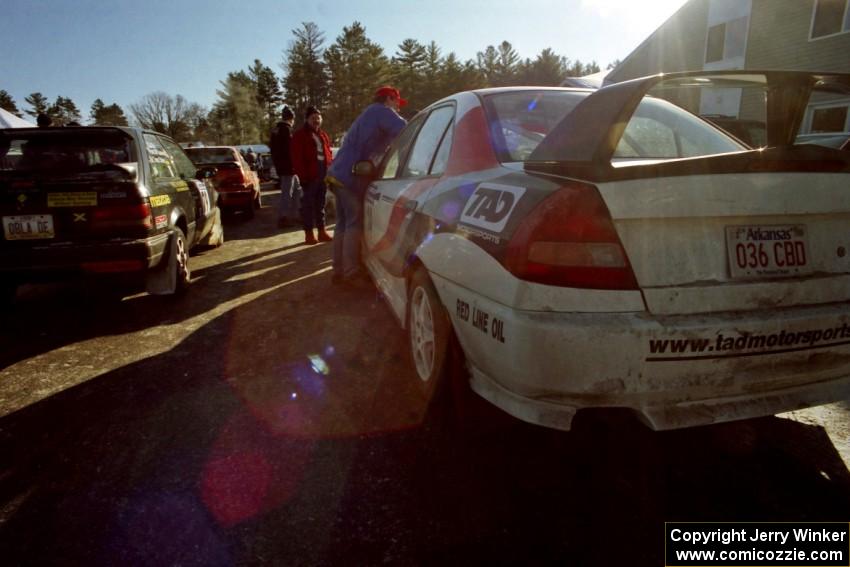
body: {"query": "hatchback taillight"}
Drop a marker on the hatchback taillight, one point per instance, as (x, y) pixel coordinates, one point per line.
(228, 178)
(137, 215)
(569, 240)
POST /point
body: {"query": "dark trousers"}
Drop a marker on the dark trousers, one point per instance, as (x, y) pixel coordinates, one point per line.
(313, 201)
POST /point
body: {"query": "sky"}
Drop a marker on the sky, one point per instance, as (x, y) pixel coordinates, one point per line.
(121, 50)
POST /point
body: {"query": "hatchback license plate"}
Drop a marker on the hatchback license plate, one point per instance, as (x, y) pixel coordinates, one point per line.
(766, 251)
(28, 227)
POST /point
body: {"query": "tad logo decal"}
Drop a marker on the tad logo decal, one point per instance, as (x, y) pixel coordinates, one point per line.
(491, 205)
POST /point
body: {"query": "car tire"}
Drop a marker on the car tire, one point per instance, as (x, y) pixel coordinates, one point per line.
(454, 412)
(181, 257)
(429, 332)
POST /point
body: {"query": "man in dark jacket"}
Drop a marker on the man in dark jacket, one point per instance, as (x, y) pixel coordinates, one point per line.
(290, 190)
(311, 156)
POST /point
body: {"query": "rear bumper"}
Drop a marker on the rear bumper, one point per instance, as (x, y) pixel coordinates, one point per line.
(55, 261)
(673, 371)
(236, 197)
(665, 415)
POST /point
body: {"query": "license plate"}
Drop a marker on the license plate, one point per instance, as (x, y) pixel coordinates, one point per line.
(28, 227)
(767, 251)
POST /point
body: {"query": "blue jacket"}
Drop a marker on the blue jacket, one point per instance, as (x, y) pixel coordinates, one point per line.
(368, 138)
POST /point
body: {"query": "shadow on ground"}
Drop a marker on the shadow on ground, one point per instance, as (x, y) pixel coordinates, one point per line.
(47, 317)
(311, 451)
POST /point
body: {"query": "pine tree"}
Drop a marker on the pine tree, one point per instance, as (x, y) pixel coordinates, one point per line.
(269, 94)
(356, 67)
(63, 112)
(579, 69)
(102, 115)
(305, 81)
(499, 66)
(487, 63)
(456, 76)
(238, 110)
(8, 103)
(39, 104)
(407, 70)
(548, 69)
(506, 65)
(431, 71)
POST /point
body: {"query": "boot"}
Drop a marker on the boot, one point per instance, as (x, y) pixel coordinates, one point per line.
(323, 236)
(308, 237)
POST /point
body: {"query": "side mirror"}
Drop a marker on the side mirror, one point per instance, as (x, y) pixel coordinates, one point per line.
(363, 169)
(206, 173)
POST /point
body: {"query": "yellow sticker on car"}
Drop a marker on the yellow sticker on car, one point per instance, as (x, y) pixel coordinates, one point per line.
(180, 186)
(160, 200)
(76, 199)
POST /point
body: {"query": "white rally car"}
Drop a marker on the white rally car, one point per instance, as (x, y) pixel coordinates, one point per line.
(612, 249)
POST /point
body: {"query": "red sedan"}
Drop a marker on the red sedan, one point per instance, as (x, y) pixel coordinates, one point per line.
(237, 184)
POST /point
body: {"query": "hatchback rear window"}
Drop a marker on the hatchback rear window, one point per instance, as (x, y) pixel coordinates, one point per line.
(56, 151)
(211, 155)
(519, 120)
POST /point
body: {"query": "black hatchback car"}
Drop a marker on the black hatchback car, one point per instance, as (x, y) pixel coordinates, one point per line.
(101, 201)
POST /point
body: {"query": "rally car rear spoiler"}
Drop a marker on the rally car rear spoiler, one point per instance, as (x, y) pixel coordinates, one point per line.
(588, 136)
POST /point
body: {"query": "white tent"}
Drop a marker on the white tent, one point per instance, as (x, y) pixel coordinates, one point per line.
(9, 120)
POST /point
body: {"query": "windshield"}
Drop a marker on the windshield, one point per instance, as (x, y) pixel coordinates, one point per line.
(520, 120)
(59, 151)
(211, 155)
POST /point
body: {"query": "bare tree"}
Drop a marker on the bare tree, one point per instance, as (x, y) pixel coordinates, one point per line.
(161, 112)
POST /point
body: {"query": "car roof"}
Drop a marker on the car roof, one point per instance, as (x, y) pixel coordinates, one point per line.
(498, 90)
(131, 130)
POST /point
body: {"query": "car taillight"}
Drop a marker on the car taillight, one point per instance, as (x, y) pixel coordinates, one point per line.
(231, 178)
(138, 215)
(569, 240)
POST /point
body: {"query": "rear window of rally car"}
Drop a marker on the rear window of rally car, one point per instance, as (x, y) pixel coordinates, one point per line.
(69, 151)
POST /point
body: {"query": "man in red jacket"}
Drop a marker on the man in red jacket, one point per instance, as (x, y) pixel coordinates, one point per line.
(311, 156)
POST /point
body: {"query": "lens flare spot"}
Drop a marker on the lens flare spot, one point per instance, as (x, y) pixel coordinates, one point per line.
(466, 190)
(318, 364)
(234, 486)
(451, 210)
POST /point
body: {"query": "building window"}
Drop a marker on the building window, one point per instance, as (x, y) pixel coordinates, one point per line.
(714, 49)
(736, 37)
(726, 40)
(830, 119)
(830, 17)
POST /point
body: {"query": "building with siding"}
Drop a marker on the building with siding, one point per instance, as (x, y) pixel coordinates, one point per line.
(711, 35)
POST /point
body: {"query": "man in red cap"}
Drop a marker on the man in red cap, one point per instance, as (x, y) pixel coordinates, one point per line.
(367, 139)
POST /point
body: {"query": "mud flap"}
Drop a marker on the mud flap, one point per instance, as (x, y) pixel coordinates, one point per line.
(215, 237)
(163, 279)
